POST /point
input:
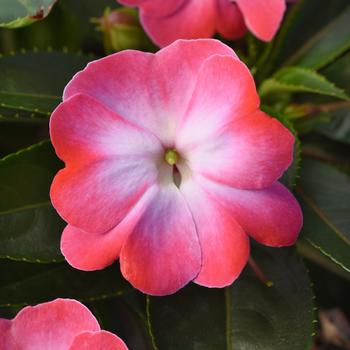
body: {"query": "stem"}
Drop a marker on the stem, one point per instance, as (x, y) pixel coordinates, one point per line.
(259, 273)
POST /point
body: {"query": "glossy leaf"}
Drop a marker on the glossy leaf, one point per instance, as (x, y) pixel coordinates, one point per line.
(298, 79)
(324, 194)
(124, 315)
(328, 44)
(247, 315)
(338, 116)
(10, 115)
(26, 283)
(301, 25)
(34, 81)
(19, 13)
(30, 229)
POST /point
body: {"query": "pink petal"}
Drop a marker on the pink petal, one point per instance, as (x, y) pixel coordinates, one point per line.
(263, 18)
(152, 91)
(230, 22)
(163, 253)
(88, 252)
(97, 197)
(250, 153)
(101, 340)
(52, 325)
(105, 175)
(191, 20)
(272, 216)
(224, 245)
(83, 130)
(225, 91)
(6, 340)
(158, 8)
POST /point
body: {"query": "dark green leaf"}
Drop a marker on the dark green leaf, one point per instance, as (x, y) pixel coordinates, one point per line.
(247, 315)
(19, 13)
(290, 176)
(34, 81)
(298, 79)
(326, 45)
(338, 116)
(324, 194)
(120, 317)
(30, 229)
(26, 283)
(10, 115)
(299, 26)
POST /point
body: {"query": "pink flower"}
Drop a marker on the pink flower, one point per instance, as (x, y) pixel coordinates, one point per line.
(168, 20)
(169, 165)
(62, 324)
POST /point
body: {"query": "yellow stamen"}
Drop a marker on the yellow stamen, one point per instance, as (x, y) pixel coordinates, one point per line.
(171, 157)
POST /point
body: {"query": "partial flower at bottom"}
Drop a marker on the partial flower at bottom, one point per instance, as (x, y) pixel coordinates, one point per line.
(170, 165)
(62, 324)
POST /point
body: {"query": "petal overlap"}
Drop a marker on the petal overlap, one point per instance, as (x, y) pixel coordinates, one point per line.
(143, 91)
(272, 216)
(251, 152)
(170, 166)
(224, 244)
(163, 253)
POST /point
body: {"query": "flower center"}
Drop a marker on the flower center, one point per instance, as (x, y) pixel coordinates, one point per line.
(171, 156)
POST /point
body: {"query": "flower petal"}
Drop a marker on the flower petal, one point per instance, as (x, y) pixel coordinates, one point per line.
(6, 339)
(152, 91)
(158, 8)
(230, 22)
(52, 325)
(263, 18)
(87, 251)
(98, 196)
(225, 91)
(83, 130)
(163, 253)
(191, 20)
(250, 153)
(272, 216)
(101, 340)
(224, 245)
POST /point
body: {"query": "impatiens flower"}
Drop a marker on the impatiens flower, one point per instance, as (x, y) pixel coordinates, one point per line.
(170, 165)
(168, 20)
(62, 324)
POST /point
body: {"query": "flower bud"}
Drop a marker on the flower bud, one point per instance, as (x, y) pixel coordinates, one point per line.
(122, 30)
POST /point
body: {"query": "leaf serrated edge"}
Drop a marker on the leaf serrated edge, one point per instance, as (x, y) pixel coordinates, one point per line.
(24, 150)
(316, 75)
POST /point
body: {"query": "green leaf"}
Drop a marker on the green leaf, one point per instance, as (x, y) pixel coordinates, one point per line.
(298, 79)
(120, 316)
(10, 115)
(26, 283)
(34, 81)
(314, 255)
(338, 126)
(326, 45)
(290, 176)
(324, 194)
(19, 13)
(30, 229)
(298, 27)
(247, 315)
